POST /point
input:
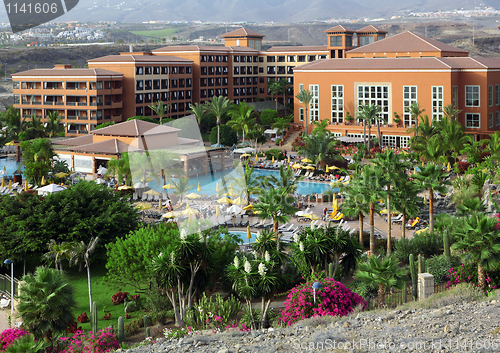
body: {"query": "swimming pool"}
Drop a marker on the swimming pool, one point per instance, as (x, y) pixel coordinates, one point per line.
(243, 236)
(10, 164)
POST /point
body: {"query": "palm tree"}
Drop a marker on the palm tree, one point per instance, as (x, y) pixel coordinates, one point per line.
(305, 96)
(381, 118)
(453, 137)
(54, 126)
(58, 252)
(274, 89)
(218, 106)
(286, 180)
(284, 85)
(479, 243)
(432, 178)
(450, 112)
(415, 113)
(120, 168)
(431, 150)
(404, 200)
(38, 155)
(13, 127)
(198, 110)
(281, 125)
(182, 187)
(241, 118)
(369, 113)
(392, 168)
(160, 109)
(355, 204)
(381, 272)
(81, 253)
(46, 303)
(321, 127)
(245, 181)
(319, 148)
(34, 129)
(275, 203)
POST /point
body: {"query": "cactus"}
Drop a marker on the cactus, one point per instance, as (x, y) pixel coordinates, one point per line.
(147, 332)
(414, 278)
(404, 298)
(146, 325)
(446, 241)
(424, 264)
(419, 262)
(121, 330)
(95, 317)
(330, 270)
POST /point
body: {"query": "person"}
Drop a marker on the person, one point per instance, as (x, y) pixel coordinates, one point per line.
(325, 211)
(170, 207)
(284, 152)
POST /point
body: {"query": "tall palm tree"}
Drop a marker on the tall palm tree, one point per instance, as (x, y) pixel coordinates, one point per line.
(198, 110)
(355, 204)
(281, 125)
(13, 125)
(46, 303)
(182, 187)
(453, 137)
(81, 252)
(275, 203)
(38, 156)
(392, 168)
(160, 109)
(450, 111)
(245, 181)
(404, 200)
(34, 129)
(286, 180)
(120, 168)
(54, 126)
(320, 127)
(284, 86)
(382, 272)
(415, 112)
(319, 148)
(58, 252)
(241, 118)
(479, 243)
(218, 106)
(432, 178)
(274, 89)
(369, 114)
(431, 149)
(305, 96)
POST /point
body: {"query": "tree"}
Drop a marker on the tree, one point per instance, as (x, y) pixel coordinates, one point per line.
(305, 96)
(34, 129)
(431, 149)
(182, 187)
(355, 204)
(46, 303)
(320, 127)
(284, 85)
(432, 178)
(54, 126)
(218, 106)
(275, 203)
(198, 110)
(106, 124)
(38, 155)
(381, 272)
(58, 252)
(160, 109)
(453, 137)
(81, 252)
(120, 168)
(274, 89)
(241, 118)
(479, 243)
(369, 113)
(245, 181)
(450, 111)
(140, 117)
(404, 200)
(13, 127)
(415, 112)
(223, 135)
(281, 125)
(268, 117)
(286, 180)
(319, 148)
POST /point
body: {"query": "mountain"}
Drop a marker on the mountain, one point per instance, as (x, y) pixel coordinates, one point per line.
(253, 11)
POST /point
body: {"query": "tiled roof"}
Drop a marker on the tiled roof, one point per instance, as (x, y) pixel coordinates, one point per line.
(401, 64)
(242, 32)
(133, 128)
(339, 28)
(298, 48)
(406, 42)
(75, 141)
(112, 146)
(140, 58)
(67, 72)
(199, 48)
(370, 29)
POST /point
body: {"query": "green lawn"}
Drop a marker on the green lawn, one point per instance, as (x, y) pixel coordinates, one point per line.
(159, 33)
(101, 293)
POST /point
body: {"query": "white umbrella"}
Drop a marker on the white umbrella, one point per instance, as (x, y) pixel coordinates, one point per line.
(139, 185)
(100, 181)
(299, 213)
(3, 172)
(102, 170)
(234, 209)
(50, 189)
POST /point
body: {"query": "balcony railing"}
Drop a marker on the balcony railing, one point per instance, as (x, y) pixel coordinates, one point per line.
(71, 117)
(71, 103)
(82, 103)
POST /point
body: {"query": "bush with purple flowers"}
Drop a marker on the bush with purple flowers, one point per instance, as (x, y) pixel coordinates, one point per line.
(7, 337)
(88, 342)
(334, 299)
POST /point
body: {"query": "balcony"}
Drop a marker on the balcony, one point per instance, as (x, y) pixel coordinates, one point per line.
(82, 104)
(59, 103)
(118, 90)
(71, 103)
(116, 104)
(71, 117)
(107, 103)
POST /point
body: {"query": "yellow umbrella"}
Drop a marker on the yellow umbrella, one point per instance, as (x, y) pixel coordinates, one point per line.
(246, 155)
(169, 186)
(199, 187)
(310, 167)
(147, 179)
(26, 187)
(231, 193)
(249, 234)
(125, 187)
(43, 180)
(224, 200)
(143, 206)
(257, 212)
(312, 217)
(335, 205)
(152, 192)
(61, 175)
(193, 196)
(217, 187)
(304, 166)
(217, 210)
(249, 207)
(3, 182)
(171, 214)
(306, 160)
(256, 158)
(272, 161)
(10, 184)
(4, 168)
(190, 211)
(295, 166)
(239, 201)
(288, 159)
(448, 167)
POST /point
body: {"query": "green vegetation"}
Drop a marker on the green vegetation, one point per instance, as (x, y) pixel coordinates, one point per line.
(159, 33)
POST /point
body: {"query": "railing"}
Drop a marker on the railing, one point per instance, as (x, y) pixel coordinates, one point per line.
(83, 118)
(5, 285)
(36, 103)
(71, 103)
(71, 117)
(82, 103)
(48, 103)
(59, 103)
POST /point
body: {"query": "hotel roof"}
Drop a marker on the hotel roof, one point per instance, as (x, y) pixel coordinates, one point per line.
(67, 72)
(285, 49)
(406, 42)
(219, 48)
(242, 32)
(134, 128)
(370, 29)
(140, 58)
(340, 28)
(112, 146)
(437, 63)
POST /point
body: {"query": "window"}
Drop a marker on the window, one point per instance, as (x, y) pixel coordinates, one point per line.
(188, 69)
(156, 70)
(437, 102)
(335, 41)
(378, 95)
(472, 120)
(490, 95)
(348, 41)
(139, 70)
(497, 94)
(148, 70)
(261, 59)
(281, 59)
(472, 96)
(337, 103)
(395, 141)
(314, 106)
(236, 59)
(291, 58)
(366, 40)
(301, 58)
(455, 99)
(139, 85)
(311, 58)
(409, 98)
(301, 114)
(497, 118)
(271, 59)
(491, 122)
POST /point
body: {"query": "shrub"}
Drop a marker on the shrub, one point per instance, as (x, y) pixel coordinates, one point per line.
(268, 117)
(427, 244)
(73, 327)
(119, 298)
(88, 342)
(278, 154)
(83, 318)
(228, 136)
(7, 337)
(462, 166)
(179, 333)
(334, 299)
(272, 318)
(438, 266)
(107, 316)
(212, 312)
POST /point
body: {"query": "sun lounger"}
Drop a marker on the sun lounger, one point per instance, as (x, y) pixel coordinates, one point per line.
(4, 303)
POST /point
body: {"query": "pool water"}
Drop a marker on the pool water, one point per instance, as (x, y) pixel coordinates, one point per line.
(243, 236)
(10, 165)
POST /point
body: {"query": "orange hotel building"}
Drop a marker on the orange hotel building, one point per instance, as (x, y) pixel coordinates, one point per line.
(355, 67)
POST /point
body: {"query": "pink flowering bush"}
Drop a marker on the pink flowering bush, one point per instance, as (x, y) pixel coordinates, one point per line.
(88, 342)
(334, 299)
(237, 327)
(7, 337)
(468, 273)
